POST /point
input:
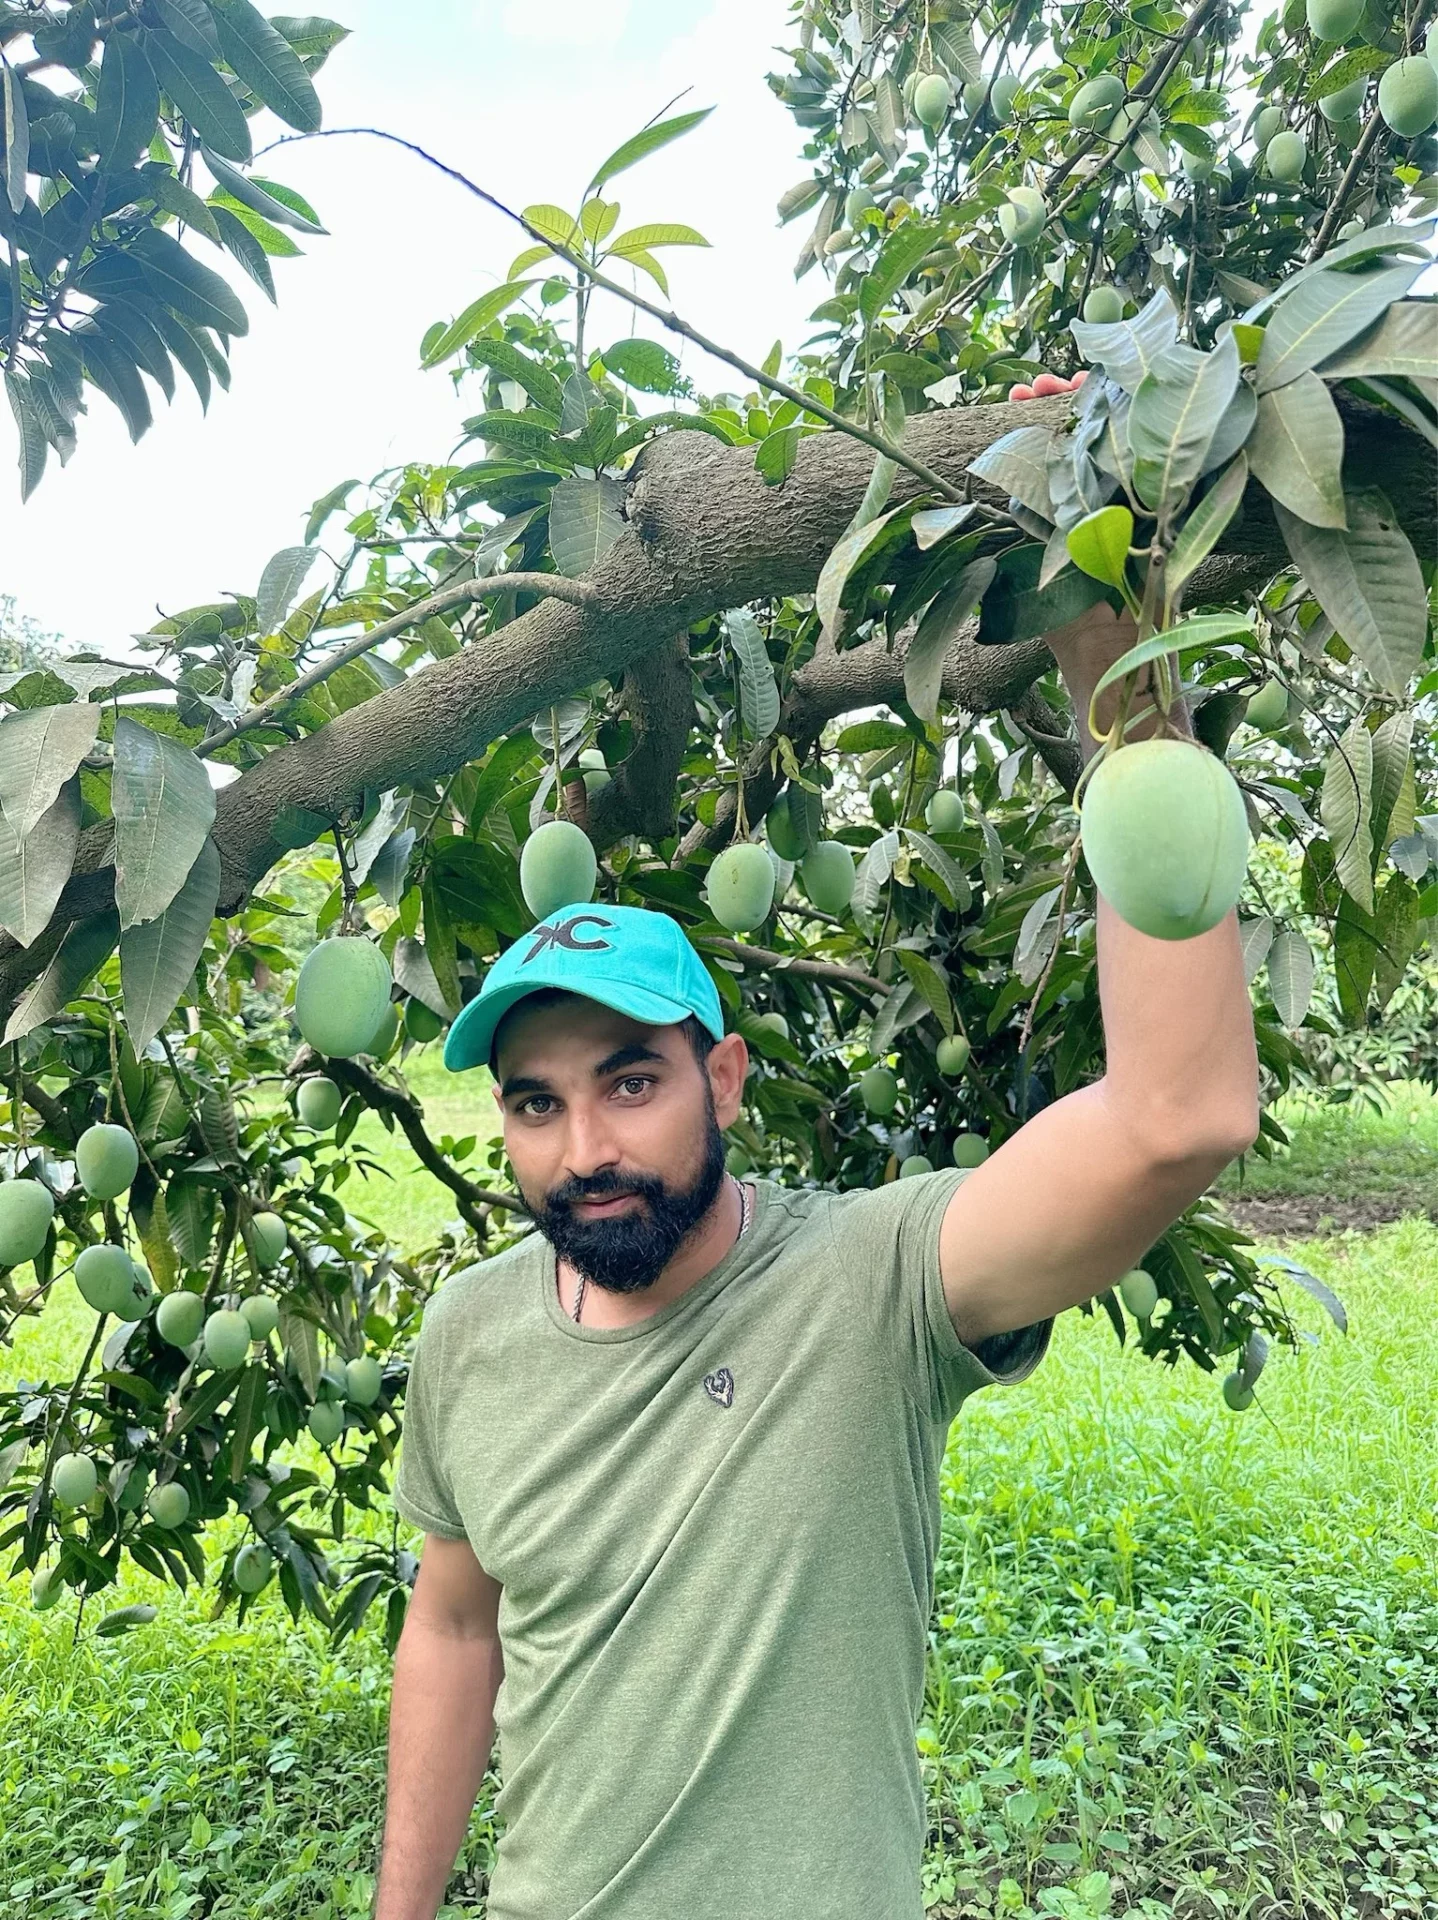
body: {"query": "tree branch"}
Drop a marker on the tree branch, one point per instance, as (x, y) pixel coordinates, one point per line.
(264, 712)
(704, 534)
(1367, 140)
(848, 977)
(643, 796)
(475, 1202)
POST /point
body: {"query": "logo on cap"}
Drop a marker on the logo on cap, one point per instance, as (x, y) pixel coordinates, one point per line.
(566, 934)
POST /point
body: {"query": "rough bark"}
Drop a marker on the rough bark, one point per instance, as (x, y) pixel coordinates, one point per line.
(705, 533)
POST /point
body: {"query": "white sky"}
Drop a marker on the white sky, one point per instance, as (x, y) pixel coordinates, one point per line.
(526, 97)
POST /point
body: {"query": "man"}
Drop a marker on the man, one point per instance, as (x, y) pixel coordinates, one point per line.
(677, 1453)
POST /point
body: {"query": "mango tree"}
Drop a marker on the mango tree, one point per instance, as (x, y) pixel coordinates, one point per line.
(769, 659)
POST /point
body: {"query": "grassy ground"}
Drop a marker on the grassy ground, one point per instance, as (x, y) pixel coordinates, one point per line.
(1347, 1166)
(1184, 1662)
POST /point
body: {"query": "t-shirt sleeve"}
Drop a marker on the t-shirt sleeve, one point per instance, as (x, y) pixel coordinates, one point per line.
(422, 1491)
(888, 1242)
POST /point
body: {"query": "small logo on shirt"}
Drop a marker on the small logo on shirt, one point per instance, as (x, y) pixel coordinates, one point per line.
(720, 1387)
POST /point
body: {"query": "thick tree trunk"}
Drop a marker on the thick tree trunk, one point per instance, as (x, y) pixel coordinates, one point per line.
(705, 533)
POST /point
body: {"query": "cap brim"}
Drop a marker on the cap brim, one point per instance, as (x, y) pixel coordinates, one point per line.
(471, 1036)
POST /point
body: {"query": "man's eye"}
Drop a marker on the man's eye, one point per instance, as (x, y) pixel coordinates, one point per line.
(635, 1083)
(537, 1105)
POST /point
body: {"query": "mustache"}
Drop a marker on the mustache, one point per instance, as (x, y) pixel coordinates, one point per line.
(608, 1181)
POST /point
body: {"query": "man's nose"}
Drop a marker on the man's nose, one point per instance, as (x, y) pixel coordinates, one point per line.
(591, 1146)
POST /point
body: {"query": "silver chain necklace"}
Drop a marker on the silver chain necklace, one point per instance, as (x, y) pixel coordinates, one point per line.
(746, 1201)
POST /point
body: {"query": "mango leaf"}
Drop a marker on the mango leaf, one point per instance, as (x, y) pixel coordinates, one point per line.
(1126, 349)
(1290, 977)
(1355, 955)
(1099, 544)
(20, 391)
(1033, 948)
(478, 315)
(391, 866)
(257, 199)
(1346, 808)
(85, 948)
(776, 455)
(1205, 525)
(235, 236)
(1411, 854)
(585, 519)
(303, 1347)
(1367, 580)
(199, 93)
(872, 876)
(1404, 343)
(180, 281)
(1018, 463)
(903, 1007)
(758, 688)
(268, 64)
(1324, 313)
(660, 233)
(280, 584)
(1255, 937)
(33, 871)
(1398, 918)
(1202, 630)
(953, 46)
(1391, 238)
(929, 983)
(927, 651)
(934, 524)
(158, 959)
(1312, 1286)
(851, 550)
(127, 105)
(650, 140)
(643, 365)
(164, 806)
(951, 885)
(17, 140)
(414, 972)
(40, 750)
(1296, 450)
(1191, 1267)
(893, 264)
(1175, 411)
(125, 1619)
(1392, 774)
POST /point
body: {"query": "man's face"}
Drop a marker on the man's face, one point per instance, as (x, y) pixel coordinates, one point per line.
(613, 1129)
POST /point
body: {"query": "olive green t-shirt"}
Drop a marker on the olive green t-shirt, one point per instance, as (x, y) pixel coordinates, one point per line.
(715, 1532)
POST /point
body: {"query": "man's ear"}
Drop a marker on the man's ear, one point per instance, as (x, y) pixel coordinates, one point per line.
(728, 1066)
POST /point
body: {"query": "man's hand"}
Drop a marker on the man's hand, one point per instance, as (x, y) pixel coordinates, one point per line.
(1074, 1199)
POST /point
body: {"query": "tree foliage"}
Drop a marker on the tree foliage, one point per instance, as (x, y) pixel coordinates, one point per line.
(814, 602)
(112, 117)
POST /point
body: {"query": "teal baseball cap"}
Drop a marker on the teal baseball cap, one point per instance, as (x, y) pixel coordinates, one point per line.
(628, 958)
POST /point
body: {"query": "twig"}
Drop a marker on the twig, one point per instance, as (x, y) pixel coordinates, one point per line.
(664, 315)
(850, 977)
(1070, 867)
(475, 1202)
(1366, 142)
(1148, 86)
(578, 593)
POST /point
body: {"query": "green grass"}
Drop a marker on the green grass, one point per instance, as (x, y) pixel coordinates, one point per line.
(1183, 1662)
(1349, 1152)
(413, 1206)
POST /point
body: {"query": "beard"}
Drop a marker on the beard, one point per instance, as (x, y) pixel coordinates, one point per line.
(628, 1254)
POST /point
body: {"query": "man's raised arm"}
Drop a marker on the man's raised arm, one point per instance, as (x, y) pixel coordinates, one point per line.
(1078, 1195)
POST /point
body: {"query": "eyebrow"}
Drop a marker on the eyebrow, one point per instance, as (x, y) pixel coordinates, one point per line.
(625, 1056)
